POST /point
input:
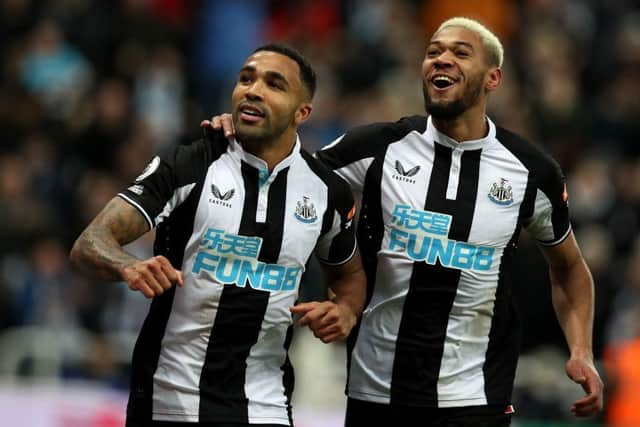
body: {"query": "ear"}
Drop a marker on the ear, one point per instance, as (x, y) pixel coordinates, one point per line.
(494, 77)
(302, 113)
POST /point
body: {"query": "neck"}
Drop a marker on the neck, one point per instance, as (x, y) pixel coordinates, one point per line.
(469, 126)
(272, 151)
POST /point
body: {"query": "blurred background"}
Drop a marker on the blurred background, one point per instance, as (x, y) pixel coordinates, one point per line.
(90, 90)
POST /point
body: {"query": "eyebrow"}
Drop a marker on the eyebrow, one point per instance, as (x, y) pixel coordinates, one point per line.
(457, 43)
(271, 74)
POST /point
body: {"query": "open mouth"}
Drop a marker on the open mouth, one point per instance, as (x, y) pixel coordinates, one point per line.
(250, 113)
(442, 82)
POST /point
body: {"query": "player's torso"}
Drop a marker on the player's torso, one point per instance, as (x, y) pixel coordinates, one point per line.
(448, 212)
(226, 337)
(455, 208)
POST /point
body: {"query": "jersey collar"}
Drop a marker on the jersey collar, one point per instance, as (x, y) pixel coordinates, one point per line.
(238, 152)
(475, 144)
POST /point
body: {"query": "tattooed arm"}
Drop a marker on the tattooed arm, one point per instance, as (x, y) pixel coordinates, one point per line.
(98, 251)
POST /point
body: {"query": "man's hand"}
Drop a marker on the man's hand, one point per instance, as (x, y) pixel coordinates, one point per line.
(328, 321)
(152, 276)
(223, 121)
(582, 371)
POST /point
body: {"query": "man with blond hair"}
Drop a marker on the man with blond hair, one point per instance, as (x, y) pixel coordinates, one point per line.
(444, 199)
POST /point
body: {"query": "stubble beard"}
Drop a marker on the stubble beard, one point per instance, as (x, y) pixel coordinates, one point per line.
(452, 109)
(253, 138)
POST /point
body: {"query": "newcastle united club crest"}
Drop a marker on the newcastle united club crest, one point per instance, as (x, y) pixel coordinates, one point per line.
(305, 211)
(501, 193)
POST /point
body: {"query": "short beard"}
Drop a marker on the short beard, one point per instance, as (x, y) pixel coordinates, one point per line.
(255, 141)
(453, 109)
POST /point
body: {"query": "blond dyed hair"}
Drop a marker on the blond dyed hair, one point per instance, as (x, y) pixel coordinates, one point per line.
(490, 41)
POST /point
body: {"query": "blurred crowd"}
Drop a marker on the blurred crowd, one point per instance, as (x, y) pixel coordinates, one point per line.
(91, 89)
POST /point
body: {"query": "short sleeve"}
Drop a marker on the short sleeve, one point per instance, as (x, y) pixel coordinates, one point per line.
(338, 156)
(165, 183)
(337, 242)
(351, 155)
(549, 222)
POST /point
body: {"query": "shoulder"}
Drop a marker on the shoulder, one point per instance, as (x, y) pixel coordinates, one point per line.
(188, 161)
(533, 156)
(324, 173)
(386, 132)
(369, 140)
(206, 149)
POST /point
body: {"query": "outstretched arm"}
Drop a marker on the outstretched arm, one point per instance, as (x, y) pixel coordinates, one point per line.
(333, 320)
(98, 251)
(573, 301)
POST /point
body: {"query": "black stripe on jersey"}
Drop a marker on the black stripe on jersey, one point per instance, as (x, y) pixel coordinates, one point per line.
(146, 354)
(276, 212)
(216, 142)
(237, 324)
(369, 233)
(505, 333)
(250, 176)
(369, 140)
(546, 174)
(371, 224)
(171, 239)
(432, 288)
(241, 311)
(340, 200)
(287, 373)
(504, 337)
(322, 171)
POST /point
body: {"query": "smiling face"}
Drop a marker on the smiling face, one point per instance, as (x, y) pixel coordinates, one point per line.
(456, 73)
(269, 100)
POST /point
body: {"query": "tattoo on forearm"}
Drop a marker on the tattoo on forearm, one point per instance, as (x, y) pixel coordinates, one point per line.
(98, 250)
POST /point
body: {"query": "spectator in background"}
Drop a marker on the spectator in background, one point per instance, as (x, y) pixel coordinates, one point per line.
(439, 339)
(110, 124)
(55, 71)
(229, 28)
(23, 217)
(237, 222)
(159, 96)
(118, 39)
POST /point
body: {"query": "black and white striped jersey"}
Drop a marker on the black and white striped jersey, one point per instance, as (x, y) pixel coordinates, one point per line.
(215, 350)
(438, 226)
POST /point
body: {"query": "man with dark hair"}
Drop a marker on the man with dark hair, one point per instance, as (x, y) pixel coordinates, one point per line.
(444, 199)
(237, 221)
(307, 74)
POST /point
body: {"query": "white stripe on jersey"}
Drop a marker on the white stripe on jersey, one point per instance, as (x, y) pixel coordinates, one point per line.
(264, 388)
(176, 380)
(380, 322)
(352, 173)
(454, 174)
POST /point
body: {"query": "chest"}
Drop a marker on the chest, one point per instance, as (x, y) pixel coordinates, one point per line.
(472, 196)
(280, 214)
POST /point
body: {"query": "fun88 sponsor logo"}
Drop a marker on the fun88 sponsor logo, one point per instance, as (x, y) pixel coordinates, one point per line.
(233, 259)
(422, 235)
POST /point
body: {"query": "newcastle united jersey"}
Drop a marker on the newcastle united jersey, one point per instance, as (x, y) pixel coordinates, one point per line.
(437, 230)
(215, 350)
